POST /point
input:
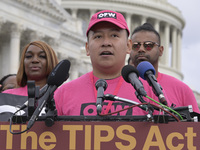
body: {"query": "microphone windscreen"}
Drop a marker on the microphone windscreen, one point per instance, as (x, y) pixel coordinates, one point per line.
(143, 67)
(126, 70)
(101, 83)
(59, 74)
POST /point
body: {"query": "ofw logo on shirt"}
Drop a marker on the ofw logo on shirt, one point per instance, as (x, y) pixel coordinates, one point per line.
(107, 15)
(90, 109)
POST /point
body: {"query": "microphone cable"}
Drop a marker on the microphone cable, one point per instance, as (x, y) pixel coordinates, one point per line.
(155, 106)
(11, 118)
(139, 105)
(164, 106)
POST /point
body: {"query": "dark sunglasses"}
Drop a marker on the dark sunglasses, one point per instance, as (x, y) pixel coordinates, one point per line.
(148, 45)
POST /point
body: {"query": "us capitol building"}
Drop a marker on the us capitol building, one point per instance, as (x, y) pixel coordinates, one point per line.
(63, 23)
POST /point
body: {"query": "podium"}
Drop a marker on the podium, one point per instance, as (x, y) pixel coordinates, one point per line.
(103, 132)
(94, 132)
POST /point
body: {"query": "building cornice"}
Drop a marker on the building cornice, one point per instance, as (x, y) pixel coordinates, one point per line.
(160, 6)
(74, 37)
(48, 7)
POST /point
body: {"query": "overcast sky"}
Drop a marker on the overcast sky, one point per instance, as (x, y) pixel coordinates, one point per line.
(190, 41)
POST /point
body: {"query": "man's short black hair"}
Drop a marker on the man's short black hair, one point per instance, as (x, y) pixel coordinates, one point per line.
(146, 27)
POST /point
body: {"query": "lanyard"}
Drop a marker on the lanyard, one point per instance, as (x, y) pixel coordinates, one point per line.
(114, 93)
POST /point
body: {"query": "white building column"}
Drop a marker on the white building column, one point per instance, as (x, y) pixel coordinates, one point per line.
(92, 12)
(179, 41)
(2, 21)
(128, 20)
(166, 41)
(174, 48)
(74, 13)
(74, 69)
(157, 25)
(14, 48)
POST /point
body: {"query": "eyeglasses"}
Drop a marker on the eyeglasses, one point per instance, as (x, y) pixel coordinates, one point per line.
(148, 45)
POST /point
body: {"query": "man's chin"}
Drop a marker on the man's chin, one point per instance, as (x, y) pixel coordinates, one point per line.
(139, 61)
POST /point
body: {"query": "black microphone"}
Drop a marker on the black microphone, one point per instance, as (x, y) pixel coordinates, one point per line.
(147, 72)
(58, 75)
(41, 93)
(130, 75)
(101, 86)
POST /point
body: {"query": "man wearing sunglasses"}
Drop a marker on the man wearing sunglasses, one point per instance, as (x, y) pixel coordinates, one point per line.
(146, 47)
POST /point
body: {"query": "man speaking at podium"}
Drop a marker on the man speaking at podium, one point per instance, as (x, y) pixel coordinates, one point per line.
(107, 45)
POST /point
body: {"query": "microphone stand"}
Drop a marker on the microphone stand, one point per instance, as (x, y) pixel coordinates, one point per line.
(140, 97)
(148, 107)
(45, 99)
(150, 113)
(116, 98)
(51, 112)
(31, 97)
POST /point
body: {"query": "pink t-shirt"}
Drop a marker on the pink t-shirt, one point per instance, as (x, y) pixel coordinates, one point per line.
(18, 91)
(78, 97)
